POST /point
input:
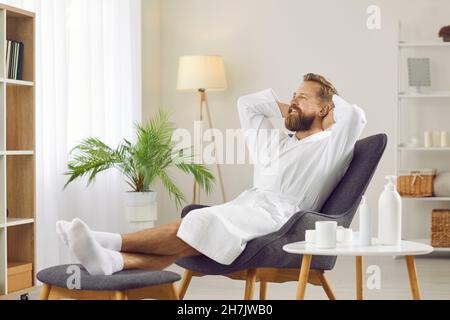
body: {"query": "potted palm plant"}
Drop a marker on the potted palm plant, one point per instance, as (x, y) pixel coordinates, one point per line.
(142, 165)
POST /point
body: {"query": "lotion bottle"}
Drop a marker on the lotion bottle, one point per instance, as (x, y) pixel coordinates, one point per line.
(390, 214)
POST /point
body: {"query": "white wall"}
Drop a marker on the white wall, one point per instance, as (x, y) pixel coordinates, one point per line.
(151, 56)
(272, 43)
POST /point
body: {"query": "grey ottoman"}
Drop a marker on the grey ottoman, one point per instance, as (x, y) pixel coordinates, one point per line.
(74, 282)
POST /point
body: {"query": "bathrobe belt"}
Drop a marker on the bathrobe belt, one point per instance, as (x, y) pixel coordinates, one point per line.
(283, 197)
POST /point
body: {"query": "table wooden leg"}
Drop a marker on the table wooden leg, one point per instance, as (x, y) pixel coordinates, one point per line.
(326, 286)
(303, 278)
(359, 278)
(413, 281)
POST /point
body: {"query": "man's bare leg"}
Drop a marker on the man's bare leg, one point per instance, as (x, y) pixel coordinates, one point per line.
(160, 241)
(152, 262)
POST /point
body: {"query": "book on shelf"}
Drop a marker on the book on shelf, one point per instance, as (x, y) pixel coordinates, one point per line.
(14, 59)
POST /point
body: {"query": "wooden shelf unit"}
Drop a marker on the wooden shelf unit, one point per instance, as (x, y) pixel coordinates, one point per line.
(17, 158)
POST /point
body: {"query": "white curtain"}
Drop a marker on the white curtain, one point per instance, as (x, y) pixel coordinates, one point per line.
(88, 84)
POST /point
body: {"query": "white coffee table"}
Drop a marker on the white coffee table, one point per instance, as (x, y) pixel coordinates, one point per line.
(407, 249)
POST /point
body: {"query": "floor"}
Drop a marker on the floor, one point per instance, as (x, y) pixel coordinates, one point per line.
(433, 273)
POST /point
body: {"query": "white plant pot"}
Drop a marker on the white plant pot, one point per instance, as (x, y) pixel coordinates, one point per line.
(141, 210)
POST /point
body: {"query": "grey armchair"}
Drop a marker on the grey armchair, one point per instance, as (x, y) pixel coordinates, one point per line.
(265, 261)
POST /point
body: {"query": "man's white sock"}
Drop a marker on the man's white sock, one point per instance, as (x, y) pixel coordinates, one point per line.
(96, 259)
(111, 241)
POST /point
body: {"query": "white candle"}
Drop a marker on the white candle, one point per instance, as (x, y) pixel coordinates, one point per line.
(444, 139)
(427, 140)
(436, 139)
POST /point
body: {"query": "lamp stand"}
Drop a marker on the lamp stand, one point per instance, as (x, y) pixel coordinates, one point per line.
(204, 105)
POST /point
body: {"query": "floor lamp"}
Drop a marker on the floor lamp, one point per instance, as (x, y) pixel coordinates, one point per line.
(203, 74)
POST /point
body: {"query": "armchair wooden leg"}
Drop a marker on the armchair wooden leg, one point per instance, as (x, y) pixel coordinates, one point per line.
(250, 284)
(303, 277)
(45, 292)
(413, 281)
(187, 277)
(172, 292)
(326, 286)
(262, 290)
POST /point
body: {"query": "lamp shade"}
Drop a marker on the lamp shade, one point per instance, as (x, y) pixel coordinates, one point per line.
(201, 72)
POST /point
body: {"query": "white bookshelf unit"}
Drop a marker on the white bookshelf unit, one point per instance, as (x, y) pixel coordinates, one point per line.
(420, 99)
(17, 159)
(434, 95)
(422, 44)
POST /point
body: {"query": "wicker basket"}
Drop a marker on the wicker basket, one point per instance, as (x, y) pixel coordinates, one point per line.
(440, 228)
(416, 183)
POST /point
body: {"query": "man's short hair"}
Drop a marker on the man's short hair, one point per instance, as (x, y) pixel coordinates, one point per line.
(327, 90)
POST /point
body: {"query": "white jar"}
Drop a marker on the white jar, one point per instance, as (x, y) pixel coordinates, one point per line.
(344, 235)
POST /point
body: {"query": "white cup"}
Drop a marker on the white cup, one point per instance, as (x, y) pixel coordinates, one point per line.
(344, 235)
(326, 234)
(310, 236)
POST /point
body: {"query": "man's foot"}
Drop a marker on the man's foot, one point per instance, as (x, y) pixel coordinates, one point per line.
(62, 228)
(96, 259)
(111, 241)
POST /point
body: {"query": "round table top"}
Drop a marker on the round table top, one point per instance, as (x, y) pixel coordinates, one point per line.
(406, 248)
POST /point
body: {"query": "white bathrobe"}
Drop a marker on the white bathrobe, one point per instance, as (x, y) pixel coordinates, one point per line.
(290, 175)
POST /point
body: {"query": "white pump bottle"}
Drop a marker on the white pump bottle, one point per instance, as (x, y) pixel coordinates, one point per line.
(390, 214)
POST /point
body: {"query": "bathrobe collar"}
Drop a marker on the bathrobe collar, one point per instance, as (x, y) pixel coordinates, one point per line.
(314, 137)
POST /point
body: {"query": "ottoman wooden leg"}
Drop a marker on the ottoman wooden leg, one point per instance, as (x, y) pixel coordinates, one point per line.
(187, 277)
(121, 295)
(303, 277)
(172, 292)
(413, 281)
(45, 292)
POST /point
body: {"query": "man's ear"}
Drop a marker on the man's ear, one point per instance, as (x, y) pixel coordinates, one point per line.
(325, 110)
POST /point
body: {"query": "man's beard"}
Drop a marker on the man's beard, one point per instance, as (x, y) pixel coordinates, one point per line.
(299, 122)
